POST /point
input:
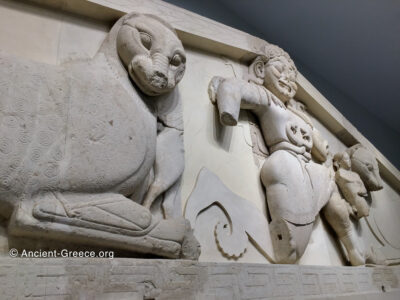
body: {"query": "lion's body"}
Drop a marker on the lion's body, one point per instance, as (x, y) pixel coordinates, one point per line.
(72, 128)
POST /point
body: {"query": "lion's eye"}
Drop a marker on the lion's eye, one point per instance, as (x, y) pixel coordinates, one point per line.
(145, 39)
(176, 60)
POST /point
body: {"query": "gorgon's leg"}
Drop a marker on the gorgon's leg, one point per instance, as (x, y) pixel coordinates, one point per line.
(287, 192)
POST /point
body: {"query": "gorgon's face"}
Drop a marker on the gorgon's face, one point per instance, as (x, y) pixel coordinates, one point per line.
(280, 78)
(152, 53)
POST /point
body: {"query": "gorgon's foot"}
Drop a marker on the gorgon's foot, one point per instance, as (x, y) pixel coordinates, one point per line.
(356, 257)
(283, 242)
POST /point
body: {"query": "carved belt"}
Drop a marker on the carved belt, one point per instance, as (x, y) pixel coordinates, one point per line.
(300, 152)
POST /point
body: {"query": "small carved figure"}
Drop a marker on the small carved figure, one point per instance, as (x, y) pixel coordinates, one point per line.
(354, 190)
(364, 163)
(83, 147)
(320, 148)
(297, 188)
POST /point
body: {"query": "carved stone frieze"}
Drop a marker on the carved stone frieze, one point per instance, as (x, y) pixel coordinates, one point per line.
(297, 185)
(178, 279)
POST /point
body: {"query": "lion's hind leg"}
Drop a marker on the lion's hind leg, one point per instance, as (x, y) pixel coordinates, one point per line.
(106, 220)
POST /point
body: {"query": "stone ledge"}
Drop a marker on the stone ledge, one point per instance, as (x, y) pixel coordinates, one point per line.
(123, 278)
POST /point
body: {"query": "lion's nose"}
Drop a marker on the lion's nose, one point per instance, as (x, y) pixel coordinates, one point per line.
(379, 186)
(160, 65)
(159, 80)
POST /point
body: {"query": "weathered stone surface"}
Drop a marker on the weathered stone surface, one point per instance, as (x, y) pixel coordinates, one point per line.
(84, 151)
(245, 223)
(169, 279)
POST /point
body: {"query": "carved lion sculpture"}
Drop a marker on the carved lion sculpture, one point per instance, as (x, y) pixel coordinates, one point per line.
(82, 147)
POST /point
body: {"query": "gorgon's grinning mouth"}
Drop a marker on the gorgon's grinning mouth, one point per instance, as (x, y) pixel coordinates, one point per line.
(284, 85)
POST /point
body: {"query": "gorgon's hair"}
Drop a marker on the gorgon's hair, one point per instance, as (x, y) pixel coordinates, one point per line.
(271, 51)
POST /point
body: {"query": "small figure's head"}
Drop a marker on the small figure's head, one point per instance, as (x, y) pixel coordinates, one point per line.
(320, 146)
(152, 53)
(300, 107)
(364, 163)
(320, 149)
(276, 71)
(342, 160)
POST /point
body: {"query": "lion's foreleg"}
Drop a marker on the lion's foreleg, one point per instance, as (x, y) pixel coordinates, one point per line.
(169, 163)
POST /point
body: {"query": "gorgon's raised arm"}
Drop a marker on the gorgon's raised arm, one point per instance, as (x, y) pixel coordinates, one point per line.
(232, 94)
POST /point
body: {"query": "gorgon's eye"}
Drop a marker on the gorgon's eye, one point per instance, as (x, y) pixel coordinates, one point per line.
(145, 39)
(177, 60)
(276, 72)
(279, 67)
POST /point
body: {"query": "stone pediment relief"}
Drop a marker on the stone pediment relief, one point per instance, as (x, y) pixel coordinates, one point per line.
(102, 146)
(92, 149)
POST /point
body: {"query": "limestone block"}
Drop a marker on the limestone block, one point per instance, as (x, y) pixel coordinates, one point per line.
(48, 36)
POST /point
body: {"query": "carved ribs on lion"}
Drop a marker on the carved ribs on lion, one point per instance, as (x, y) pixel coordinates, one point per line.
(81, 148)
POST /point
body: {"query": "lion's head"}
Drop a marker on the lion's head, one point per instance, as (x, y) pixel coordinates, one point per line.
(152, 53)
(364, 163)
